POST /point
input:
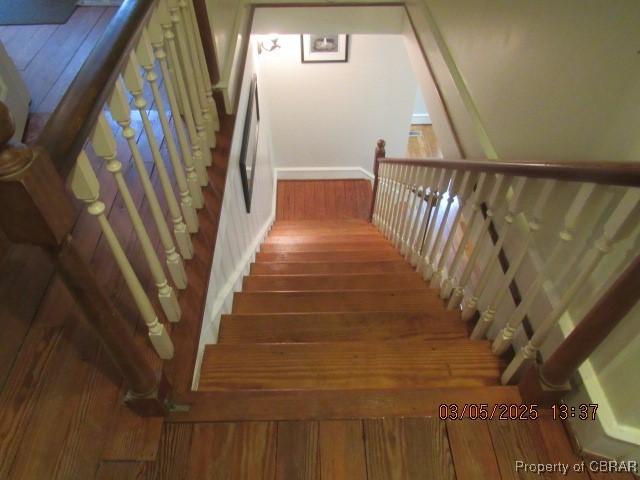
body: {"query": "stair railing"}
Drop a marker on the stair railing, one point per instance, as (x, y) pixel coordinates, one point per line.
(566, 235)
(147, 78)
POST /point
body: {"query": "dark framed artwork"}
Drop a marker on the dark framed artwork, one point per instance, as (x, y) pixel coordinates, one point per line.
(327, 48)
(249, 150)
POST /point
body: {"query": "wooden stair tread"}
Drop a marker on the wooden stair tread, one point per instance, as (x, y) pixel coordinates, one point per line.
(294, 268)
(336, 327)
(336, 301)
(378, 255)
(303, 238)
(227, 406)
(358, 281)
(348, 366)
(326, 246)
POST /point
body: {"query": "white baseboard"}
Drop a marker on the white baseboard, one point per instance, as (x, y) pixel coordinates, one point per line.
(322, 173)
(223, 301)
(421, 119)
(100, 3)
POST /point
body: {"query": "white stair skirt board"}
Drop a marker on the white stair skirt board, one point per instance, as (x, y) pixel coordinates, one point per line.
(322, 173)
(420, 119)
(100, 3)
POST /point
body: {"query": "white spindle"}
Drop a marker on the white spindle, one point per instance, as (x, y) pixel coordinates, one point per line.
(441, 188)
(104, 145)
(86, 187)
(397, 200)
(198, 153)
(414, 210)
(421, 209)
(203, 83)
(190, 73)
(390, 199)
(494, 201)
(193, 182)
(427, 217)
(462, 194)
(121, 113)
(133, 81)
(382, 188)
(410, 180)
(147, 59)
(534, 222)
(565, 238)
(617, 226)
(514, 206)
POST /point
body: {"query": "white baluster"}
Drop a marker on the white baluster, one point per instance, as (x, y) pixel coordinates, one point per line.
(462, 193)
(484, 181)
(406, 186)
(421, 211)
(494, 201)
(414, 210)
(407, 181)
(198, 153)
(134, 83)
(147, 59)
(104, 145)
(382, 195)
(193, 182)
(488, 315)
(565, 238)
(192, 29)
(190, 73)
(441, 188)
(514, 206)
(120, 111)
(390, 200)
(86, 187)
(429, 199)
(397, 200)
(623, 219)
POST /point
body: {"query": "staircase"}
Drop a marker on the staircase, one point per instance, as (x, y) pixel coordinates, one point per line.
(333, 319)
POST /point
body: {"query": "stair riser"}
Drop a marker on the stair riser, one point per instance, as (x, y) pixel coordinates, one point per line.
(400, 281)
(329, 268)
(325, 247)
(357, 256)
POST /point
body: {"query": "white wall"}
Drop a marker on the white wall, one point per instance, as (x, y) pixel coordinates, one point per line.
(420, 114)
(331, 115)
(239, 233)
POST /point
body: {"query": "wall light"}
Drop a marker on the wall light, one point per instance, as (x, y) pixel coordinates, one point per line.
(268, 44)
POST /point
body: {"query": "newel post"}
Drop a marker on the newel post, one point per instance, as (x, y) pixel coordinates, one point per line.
(546, 383)
(37, 210)
(380, 153)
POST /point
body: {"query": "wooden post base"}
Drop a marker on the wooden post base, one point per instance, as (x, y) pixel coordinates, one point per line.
(533, 389)
(154, 404)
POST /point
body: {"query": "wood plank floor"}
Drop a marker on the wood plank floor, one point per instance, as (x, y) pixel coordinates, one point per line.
(423, 142)
(323, 199)
(48, 57)
(378, 449)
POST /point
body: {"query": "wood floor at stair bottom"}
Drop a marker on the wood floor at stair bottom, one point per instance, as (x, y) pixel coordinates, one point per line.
(338, 327)
(348, 366)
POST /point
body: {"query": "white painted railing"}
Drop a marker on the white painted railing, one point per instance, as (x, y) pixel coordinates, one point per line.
(166, 61)
(557, 233)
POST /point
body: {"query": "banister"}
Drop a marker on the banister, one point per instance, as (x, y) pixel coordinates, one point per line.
(72, 121)
(607, 173)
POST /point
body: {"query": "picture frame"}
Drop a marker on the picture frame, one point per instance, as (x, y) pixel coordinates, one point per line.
(249, 150)
(324, 48)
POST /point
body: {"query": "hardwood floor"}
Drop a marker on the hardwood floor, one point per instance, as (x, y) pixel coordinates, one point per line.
(423, 142)
(48, 57)
(323, 199)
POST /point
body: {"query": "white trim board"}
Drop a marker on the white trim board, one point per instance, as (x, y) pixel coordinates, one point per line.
(322, 173)
(224, 299)
(420, 119)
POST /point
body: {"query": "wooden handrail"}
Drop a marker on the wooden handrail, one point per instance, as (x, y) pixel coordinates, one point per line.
(610, 309)
(607, 173)
(72, 121)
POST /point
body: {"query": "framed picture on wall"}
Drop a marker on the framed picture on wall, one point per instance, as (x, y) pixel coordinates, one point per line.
(327, 48)
(249, 150)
